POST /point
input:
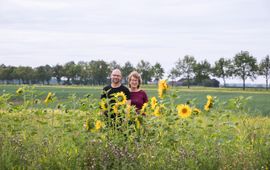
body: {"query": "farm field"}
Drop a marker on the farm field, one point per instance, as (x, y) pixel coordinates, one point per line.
(258, 104)
(59, 127)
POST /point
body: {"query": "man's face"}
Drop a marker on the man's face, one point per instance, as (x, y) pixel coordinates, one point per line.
(116, 77)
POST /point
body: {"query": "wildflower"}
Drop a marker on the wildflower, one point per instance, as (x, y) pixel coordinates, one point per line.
(153, 102)
(120, 98)
(162, 88)
(49, 98)
(184, 110)
(103, 104)
(20, 90)
(98, 125)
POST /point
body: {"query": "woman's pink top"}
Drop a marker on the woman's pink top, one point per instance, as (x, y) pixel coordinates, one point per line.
(138, 99)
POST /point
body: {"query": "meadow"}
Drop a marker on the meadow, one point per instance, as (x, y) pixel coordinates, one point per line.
(59, 127)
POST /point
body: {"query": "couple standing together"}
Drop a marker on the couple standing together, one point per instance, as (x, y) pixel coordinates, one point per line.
(135, 96)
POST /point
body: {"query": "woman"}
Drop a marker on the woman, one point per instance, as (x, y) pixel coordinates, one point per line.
(137, 96)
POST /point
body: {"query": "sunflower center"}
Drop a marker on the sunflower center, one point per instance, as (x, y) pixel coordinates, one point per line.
(184, 110)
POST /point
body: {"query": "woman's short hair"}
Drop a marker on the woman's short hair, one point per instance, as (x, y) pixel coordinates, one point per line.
(136, 75)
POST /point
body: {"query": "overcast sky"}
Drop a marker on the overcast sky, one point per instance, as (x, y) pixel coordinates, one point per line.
(39, 32)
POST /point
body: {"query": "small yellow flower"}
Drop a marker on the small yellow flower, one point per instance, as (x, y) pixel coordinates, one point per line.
(120, 98)
(184, 110)
(49, 98)
(98, 125)
(153, 102)
(20, 90)
(162, 88)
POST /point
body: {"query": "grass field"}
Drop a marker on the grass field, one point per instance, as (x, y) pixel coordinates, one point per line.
(258, 104)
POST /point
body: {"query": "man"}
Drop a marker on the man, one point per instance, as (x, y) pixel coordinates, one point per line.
(115, 87)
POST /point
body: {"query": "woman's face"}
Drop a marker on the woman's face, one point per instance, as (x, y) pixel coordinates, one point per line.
(134, 82)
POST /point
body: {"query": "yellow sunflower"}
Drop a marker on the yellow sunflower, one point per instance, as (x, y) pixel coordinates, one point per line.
(153, 102)
(209, 97)
(120, 98)
(157, 111)
(162, 87)
(20, 90)
(143, 110)
(184, 110)
(103, 104)
(115, 108)
(98, 125)
(209, 103)
(196, 111)
(49, 98)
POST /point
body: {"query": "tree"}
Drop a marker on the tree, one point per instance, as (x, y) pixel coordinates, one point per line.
(114, 65)
(99, 71)
(185, 67)
(245, 66)
(84, 72)
(157, 71)
(173, 74)
(57, 72)
(44, 73)
(202, 71)
(126, 70)
(144, 68)
(26, 74)
(264, 69)
(222, 69)
(70, 71)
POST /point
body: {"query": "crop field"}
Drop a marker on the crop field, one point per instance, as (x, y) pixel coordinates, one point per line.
(63, 127)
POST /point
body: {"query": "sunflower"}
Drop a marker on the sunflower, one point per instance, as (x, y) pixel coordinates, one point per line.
(162, 88)
(153, 102)
(98, 125)
(49, 98)
(209, 103)
(143, 110)
(103, 104)
(184, 110)
(196, 111)
(20, 90)
(115, 108)
(157, 111)
(120, 98)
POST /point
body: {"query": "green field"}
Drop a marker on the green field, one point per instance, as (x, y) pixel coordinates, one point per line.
(258, 104)
(69, 131)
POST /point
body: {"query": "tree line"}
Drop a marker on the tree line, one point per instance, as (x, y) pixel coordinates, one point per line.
(242, 65)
